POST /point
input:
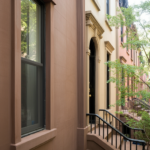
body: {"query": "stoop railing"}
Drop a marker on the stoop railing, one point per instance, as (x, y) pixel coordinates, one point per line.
(114, 130)
(121, 125)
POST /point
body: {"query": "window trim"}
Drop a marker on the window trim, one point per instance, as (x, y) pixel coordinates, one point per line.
(36, 127)
(108, 7)
(16, 141)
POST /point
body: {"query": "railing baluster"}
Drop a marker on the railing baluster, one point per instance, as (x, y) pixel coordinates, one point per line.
(103, 130)
(112, 121)
(143, 146)
(134, 134)
(120, 142)
(99, 127)
(95, 124)
(119, 126)
(107, 132)
(112, 137)
(109, 118)
(130, 145)
(125, 144)
(103, 114)
(91, 124)
(106, 116)
(116, 139)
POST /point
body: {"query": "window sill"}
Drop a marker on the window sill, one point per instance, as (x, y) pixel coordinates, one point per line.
(106, 20)
(34, 140)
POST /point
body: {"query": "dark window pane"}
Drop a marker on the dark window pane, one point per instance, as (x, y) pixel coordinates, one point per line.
(31, 97)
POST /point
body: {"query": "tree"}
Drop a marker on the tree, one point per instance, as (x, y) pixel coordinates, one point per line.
(137, 31)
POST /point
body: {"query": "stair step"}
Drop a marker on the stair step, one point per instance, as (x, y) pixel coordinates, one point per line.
(101, 131)
(112, 140)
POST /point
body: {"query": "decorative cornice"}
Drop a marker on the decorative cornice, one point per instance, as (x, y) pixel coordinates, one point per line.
(122, 59)
(109, 46)
(106, 20)
(97, 4)
(93, 23)
(46, 1)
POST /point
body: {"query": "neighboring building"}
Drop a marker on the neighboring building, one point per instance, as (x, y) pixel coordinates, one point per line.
(100, 47)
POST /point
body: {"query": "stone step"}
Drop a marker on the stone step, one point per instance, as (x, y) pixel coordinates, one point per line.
(101, 131)
(115, 140)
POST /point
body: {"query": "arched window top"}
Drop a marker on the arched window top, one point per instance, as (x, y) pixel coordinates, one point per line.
(92, 47)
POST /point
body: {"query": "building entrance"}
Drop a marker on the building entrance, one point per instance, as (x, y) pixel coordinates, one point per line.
(92, 81)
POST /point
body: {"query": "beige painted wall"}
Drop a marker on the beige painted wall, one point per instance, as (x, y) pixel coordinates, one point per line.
(101, 52)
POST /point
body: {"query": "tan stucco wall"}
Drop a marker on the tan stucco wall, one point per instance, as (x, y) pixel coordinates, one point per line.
(101, 52)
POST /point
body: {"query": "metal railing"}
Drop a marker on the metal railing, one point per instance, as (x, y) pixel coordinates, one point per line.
(141, 102)
(116, 132)
(132, 107)
(121, 125)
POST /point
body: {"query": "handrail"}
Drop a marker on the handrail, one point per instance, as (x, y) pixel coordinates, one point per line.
(146, 105)
(121, 121)
(117, 131)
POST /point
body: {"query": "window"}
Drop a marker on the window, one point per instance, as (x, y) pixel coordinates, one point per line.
(107, 7)
(121, 33)
(108, 84)
(131, 52)
(32, 66)
(127, 40)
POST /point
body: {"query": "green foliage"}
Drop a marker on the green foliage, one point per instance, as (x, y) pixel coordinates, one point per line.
(137, 23)
(121, 75)
(28, 11)
(144, 124)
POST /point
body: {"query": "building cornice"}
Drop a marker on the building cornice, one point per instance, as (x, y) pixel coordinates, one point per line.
(109, 46)
(93, 23)
(97, 4)
(107, 23)
(122, 59)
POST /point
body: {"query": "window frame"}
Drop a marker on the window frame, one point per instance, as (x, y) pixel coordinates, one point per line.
(107, 7)
(36, 127)
(121, 33)
(108, 84)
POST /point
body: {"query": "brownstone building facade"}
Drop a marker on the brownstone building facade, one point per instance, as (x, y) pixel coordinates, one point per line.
(61, 41)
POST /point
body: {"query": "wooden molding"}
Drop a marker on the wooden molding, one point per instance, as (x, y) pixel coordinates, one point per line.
(109, 46)
(122, 59)
(93, 23)
(97, 4)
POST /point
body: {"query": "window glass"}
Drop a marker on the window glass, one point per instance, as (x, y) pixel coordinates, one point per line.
(32, 97)
(107, 7)
(30, 30)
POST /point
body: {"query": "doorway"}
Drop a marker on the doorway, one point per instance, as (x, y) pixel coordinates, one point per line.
(92, 81)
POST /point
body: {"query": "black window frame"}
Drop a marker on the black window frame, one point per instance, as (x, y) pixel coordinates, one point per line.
(121, 33)
(27, 130)
(108, 84)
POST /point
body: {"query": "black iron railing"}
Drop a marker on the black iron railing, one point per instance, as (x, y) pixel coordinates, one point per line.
(113, 132)
(122, 127)
(141, 102)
